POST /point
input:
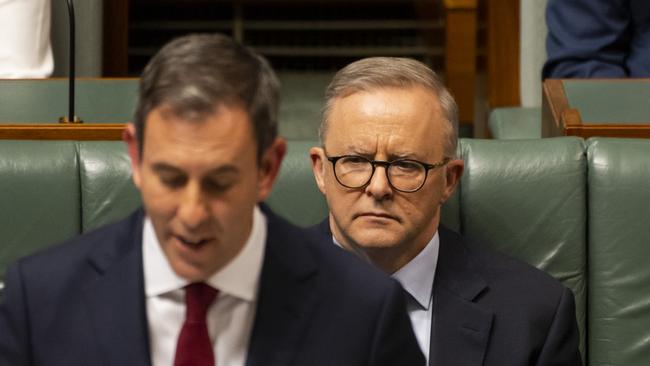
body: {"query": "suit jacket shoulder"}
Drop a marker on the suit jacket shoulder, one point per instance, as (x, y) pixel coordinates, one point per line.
(518, 313)
(81, 302)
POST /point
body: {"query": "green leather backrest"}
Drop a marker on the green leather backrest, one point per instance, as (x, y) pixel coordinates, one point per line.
(527, 199)
(295, 195)
(511, 123)
(107, 191)
(39, 196)
(619, 251)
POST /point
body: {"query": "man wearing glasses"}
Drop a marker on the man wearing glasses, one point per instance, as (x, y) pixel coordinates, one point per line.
(386, 164)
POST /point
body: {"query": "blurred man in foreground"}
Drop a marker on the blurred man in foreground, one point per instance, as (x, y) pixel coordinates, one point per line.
(203, 275)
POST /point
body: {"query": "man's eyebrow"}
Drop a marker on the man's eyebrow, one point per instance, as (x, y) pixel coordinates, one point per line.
(358, 150)
(402, 155)
(226, 169)
(165, 168)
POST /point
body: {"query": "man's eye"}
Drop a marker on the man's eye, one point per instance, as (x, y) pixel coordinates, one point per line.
(406, 166)
(216, 186)
(354, 160)
(173, 181)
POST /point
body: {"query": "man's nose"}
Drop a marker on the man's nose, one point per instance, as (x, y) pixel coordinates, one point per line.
(193, 209)
(379, 187)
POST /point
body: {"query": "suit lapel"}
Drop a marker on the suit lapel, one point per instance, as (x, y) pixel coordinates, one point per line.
(115, 297)
(461, 328)
(286, 296)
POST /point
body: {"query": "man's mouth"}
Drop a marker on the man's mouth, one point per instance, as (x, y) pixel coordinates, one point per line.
(191, 242)
(382, 215)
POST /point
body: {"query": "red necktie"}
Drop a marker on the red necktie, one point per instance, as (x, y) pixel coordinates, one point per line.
(194, 347)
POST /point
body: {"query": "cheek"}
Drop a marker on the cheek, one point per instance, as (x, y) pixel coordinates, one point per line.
(435, 187)
(422, 203)
(341, 202)
(236, 203)
(158, 201)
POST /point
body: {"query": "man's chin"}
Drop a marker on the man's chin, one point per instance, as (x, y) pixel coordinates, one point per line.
(193, 272)
(370, 239)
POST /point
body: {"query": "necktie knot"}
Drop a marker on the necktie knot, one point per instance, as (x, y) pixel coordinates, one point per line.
(198, 298)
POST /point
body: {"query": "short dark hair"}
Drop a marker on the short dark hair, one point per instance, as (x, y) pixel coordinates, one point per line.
(195, 74)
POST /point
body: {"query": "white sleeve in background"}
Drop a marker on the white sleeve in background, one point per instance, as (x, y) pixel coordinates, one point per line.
(25, 47)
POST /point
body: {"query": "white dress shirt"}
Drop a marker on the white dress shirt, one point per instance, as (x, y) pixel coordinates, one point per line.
(416, 277)
(230, 318)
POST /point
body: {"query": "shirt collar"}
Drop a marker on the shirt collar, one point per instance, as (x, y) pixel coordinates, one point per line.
(239, 278)
(416, 277)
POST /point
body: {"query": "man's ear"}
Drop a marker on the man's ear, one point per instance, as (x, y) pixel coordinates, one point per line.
(130, 138)
(269, 168)
(453, 173)
(317, 155)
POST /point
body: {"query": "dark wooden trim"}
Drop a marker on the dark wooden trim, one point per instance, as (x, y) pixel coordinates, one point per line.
(116, 38)
(460, 54)
(554, 104)
(559, 119)
(103, 131)
(609, 130)
(503, 53)
(570, 117)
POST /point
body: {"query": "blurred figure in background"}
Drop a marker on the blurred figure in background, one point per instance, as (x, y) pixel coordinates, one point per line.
(597, 38)
(25, 47)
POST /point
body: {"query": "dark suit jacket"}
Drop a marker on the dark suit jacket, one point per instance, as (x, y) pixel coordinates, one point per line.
(597, 38)
(495, 311)
(83, 304)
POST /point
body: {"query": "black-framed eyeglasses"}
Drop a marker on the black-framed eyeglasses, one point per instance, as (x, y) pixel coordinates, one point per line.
(404, 175)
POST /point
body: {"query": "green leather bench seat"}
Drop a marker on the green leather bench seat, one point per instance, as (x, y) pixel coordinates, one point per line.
(39, 196)
(577, 209)
(619, 251)
(107, 191)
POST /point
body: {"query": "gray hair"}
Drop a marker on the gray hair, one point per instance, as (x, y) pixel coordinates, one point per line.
(377, 72)
(197, 73)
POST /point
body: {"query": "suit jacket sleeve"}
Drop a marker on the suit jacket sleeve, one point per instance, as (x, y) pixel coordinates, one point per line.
(387, 348)
(561, 345)
(587, 38)
(14, 337)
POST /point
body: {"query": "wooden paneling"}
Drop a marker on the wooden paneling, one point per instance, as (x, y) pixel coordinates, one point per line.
(460, 54)
(116, 38)
(503, 53)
